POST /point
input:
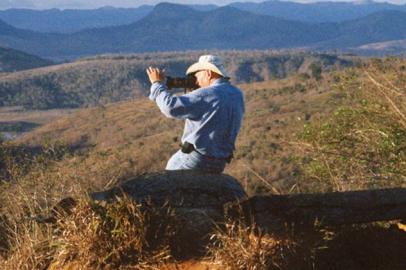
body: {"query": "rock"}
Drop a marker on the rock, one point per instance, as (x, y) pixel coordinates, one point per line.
(62, 208)
(186, 189)
(271, 212)
(197, 199)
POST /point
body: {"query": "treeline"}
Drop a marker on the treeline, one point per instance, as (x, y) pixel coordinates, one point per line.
(112, 78)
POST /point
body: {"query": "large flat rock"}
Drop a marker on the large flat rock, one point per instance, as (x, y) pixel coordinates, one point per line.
(186, 189)
(196, 198)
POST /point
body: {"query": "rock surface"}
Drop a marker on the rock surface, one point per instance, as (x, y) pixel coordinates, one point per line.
(196, 198)
(181, 189)
(271, 212)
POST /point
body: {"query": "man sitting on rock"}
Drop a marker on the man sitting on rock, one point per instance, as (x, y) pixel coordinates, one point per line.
(213, 115)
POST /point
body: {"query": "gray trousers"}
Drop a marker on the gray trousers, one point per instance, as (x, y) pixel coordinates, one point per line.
(195, 161)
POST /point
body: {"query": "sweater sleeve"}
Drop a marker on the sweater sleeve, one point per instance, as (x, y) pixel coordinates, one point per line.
(190, 106)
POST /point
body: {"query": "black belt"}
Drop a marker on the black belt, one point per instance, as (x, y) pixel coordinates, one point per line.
(188, 148)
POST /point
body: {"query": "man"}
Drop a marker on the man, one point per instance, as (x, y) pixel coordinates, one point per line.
(213, 115)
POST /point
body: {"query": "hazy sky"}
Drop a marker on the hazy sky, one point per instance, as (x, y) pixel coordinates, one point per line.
(81, 4)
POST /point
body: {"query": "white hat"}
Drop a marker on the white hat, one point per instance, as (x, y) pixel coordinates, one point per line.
(208, 62)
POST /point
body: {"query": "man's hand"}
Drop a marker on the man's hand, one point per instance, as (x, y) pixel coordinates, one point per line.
(155, 75)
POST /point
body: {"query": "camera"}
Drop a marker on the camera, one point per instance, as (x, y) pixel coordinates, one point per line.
(188, 83)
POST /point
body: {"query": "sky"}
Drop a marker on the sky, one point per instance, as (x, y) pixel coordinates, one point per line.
(86, 4)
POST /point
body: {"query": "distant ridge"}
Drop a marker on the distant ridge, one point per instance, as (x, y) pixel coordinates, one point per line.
(378, 27)
(172, 27)
(385, 47)
(71, 20)
(319, 11)
(6, 28)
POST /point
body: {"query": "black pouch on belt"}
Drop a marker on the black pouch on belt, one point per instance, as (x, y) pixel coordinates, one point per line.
(187, 148)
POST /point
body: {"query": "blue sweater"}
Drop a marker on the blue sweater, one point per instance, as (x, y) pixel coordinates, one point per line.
(213, 115)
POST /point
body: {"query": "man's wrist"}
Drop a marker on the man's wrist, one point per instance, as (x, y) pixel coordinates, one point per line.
(156, 89)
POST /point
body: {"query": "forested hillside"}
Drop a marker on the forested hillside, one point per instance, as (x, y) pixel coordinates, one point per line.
(104, 79)
(13, 60)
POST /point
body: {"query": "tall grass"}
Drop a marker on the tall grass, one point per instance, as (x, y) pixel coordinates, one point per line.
(112, 236)
(115, 236)
(363, 144)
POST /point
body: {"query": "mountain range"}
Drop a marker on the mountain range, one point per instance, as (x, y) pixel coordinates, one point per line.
(172, 27)
(319, 11)
(71, 20)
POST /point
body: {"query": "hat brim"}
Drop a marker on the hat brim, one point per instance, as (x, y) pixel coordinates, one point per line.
(205, 66)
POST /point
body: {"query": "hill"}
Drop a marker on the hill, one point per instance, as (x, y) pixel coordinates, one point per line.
(344, 130)
(13, 60)
(293, 133)
(24, 40)
(70, 20)
(384, 48)
(133, 137)
(113, 78)
(168, 24)
(319, 11)
(378, 27)
(74, 20)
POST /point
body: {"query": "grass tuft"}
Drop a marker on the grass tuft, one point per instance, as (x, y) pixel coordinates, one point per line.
(241, 247)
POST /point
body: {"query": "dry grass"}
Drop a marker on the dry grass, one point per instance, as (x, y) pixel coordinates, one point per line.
(240, 247)
(25, 243)
(362, 145)
(354, 247)
(116, 236)
(122, 235)
(16, 114)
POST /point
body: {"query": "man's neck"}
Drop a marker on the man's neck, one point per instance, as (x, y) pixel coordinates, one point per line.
(215, 80)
